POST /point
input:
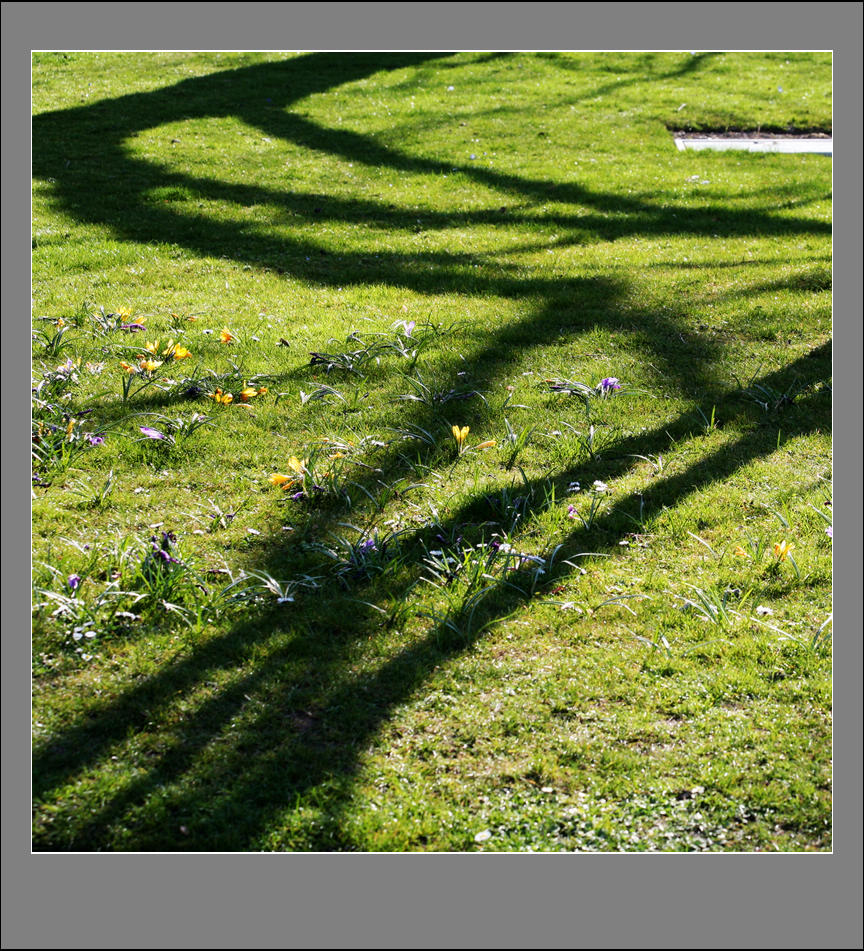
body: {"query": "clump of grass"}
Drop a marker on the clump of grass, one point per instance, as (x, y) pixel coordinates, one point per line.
(130, 582)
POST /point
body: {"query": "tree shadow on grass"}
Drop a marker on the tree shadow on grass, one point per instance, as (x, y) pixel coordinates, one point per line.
(83, 153)
(292, 731)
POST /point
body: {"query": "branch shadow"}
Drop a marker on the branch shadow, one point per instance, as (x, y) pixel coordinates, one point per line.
(290, 741)
(82, 153)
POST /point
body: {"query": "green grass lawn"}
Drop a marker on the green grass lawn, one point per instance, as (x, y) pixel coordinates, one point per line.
(283, 601)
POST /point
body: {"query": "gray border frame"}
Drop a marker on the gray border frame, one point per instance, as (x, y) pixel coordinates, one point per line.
(239, 901)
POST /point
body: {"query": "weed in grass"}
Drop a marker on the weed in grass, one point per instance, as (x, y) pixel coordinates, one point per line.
(405, 343)
(381, 493)
(351, 403)
(369, 556)
(97, 497)
(620, 601)
(756, 548)
(531, 572)
(656, 462)
(429, 396)
(351, 361)
(770, 399)
(706, 545)
(638, 520)
(57, 383)
(103, 590)
(709, 423)
(590, 445)
(98, 615)
(713, 606)
(161, 570)
(819, 640)
(825, 517)
(582, 391)
(53, 341)
(104, 323)
(783, 555)
(257, 587)
(659, 642)
(138, 377)
(596, 497)
(217, 518)
(413, 432)
(235, 382)
(515, 442)
(444, 565)
(467, 576)
(398, 612)
(411, 340)
(172, 431)
(510, 506)
(460, 621)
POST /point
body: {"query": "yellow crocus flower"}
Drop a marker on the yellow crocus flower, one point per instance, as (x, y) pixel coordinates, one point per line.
(176, 351)
(460, 435)
(782, 549)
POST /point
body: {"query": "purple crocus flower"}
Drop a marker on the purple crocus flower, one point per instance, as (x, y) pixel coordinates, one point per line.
(95, 440)
(161, 549)
(298, 495)
(608, 384)
(571, 511)
(830, 531)
(409, 327)
(152, 433)
(73, 581)
(132, 328)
